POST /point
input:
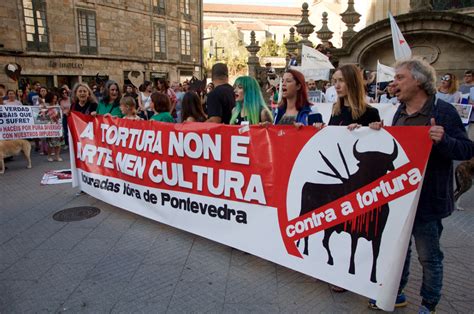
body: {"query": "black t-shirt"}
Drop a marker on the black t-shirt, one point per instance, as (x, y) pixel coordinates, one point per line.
(86, 109)
(220, 102)
(345, 117)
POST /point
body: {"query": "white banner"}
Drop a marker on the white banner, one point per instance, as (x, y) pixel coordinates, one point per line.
(22, 122)
(313, 59)
(384, 73)
(314, 64)
(334, 204)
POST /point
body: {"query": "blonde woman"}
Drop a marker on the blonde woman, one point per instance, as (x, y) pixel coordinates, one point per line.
(448, 90)
(83, 100)
(351, 108)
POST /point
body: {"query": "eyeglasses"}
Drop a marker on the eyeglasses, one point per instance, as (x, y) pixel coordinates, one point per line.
(446, 78)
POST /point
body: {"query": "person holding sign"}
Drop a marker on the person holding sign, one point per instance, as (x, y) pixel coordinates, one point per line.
(294, 107)
(83, 100)
(110, 103)
(250, 108)
(350, 108)
(415, 86)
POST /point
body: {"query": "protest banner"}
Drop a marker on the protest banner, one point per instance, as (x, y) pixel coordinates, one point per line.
(22, 122)
(278, 193)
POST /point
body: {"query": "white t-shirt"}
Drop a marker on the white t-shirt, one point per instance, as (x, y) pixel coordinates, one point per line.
(146, 101)
(12, 103)
(385, 100)
(450, 98)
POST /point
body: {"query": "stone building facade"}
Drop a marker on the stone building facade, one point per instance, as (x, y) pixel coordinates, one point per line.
(65, 41)
(268, 22)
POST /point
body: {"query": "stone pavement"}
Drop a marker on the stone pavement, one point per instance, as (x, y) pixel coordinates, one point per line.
(121, 262)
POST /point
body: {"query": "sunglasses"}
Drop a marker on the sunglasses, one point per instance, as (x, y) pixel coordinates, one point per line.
(446, 78)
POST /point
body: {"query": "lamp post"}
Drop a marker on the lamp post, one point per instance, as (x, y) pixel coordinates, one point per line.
(215, 50)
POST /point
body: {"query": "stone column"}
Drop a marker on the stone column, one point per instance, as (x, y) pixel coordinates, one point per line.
(324, 33)
(253, 62)
(304, 28)
(291, 45)
(350, 17)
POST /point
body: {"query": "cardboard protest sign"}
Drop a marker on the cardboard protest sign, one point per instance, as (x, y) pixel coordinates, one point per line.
(334, 204)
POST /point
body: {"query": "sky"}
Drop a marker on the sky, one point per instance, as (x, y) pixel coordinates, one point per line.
(286, 3)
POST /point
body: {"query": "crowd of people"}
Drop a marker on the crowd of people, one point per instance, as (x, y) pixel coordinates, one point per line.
(422, 103)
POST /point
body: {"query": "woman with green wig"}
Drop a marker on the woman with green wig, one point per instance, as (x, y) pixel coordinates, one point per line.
(250, 108)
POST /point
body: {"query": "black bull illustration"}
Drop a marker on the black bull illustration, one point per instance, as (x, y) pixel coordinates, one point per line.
(372, 165)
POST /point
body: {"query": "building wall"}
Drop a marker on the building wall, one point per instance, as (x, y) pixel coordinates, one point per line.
(125, 35)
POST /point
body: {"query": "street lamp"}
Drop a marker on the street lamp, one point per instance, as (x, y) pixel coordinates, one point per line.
(215, 50)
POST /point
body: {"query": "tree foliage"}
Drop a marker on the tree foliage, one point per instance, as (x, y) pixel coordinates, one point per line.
(269, 48)
(231, 50)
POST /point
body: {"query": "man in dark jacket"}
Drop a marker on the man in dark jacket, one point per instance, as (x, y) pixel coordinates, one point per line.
(415, 86)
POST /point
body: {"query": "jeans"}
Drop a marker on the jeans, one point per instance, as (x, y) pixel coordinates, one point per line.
(427, 237)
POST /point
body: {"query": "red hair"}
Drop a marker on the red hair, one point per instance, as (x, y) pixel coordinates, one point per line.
(302, 93)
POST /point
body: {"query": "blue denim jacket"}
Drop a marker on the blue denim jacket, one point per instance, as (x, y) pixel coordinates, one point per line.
(437, 199)
(302, 116)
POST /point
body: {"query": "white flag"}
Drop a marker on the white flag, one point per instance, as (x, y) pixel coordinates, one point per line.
(400, 45)
(384, 73)
(312, 73)
(311, 58)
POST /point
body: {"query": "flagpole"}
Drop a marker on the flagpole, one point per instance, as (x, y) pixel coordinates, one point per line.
(377, 83)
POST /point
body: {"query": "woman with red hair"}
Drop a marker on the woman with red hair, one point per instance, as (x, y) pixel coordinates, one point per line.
(294, 107)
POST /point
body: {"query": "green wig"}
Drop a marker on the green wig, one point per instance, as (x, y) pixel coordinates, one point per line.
(253, 100)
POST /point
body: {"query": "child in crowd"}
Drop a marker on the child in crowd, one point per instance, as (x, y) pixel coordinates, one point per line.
(161, 104)
(128, 106)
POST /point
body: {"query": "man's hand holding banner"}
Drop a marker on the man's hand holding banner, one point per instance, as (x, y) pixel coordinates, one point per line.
(278, 193)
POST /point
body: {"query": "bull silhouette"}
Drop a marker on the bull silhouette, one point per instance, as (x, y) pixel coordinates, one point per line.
(372, 165)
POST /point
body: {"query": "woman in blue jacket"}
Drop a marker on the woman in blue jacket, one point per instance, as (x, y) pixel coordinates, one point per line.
(294, 106)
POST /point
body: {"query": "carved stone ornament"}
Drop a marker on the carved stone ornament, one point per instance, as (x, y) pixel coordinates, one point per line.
(421, 5)
(430, 53)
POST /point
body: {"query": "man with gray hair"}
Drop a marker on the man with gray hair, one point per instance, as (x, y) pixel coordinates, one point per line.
(415, 88)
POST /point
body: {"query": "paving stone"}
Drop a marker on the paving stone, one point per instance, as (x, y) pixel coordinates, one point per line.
(133, 306)
(302, 297)
(197, 297)
(256, 284)
(286, 276)
(251, 308)
(93, 296)
(33, 265)
(116, 266)
(152, 284)
(118, 262)
(167, 250)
